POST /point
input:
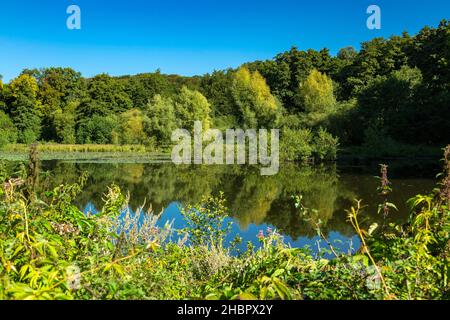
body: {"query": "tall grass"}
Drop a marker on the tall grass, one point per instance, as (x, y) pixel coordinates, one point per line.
(77, 148)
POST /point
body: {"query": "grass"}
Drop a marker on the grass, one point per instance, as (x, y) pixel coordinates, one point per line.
(86, 152)
(53, 147)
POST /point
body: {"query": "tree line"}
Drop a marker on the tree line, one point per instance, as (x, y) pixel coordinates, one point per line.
(391, 91)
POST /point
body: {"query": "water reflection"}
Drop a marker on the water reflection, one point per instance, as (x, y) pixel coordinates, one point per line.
(255, 201)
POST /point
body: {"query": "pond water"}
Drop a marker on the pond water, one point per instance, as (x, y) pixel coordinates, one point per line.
(256, 202)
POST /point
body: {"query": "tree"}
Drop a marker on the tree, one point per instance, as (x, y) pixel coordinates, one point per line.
(316, 94)
(8, 132)
(144, 86)
(378, 57)
(389, 103)
(106, 96)
(300, 65)
(216, 87)
(64, 122)
(2, 95)
(58, 88)
(25, 108)
(190, 106)
(278, 76)
(98, 129)
(161, 119)
(257, 106)
(131, 124)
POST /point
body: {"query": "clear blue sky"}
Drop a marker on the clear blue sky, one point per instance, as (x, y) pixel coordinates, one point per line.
(190, 37)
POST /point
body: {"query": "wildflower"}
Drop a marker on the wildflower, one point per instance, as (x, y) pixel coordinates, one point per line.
(269, 230)
(384, 180)
(261, 235)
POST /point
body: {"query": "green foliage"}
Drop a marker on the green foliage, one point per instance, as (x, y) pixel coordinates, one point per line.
(258, 108)
(49, 249)
(161, 119)
(98, 129)
(304, 145)
(8, 132)
(205, 222)
(316, 93)
(191, 106)
(64, 122)
(296, 144)
(25, 108)
(395, 88)
(132, 127)
(325, 146)
(217, 88)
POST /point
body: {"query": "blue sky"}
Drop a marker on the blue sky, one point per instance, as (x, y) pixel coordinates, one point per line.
(190, 37)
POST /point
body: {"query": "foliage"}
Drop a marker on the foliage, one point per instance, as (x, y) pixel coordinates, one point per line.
(191, 106)
(161, 119)
(49, 249)
(8, 132)
(25, 108)
(296, 144)
(132, 127)
(316, 93)
(304, 145)
(258, 108)
(98, 130)
(358, 96)
(325, 146)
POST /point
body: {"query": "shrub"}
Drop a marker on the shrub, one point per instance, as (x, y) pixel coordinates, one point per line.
(8, 132)
(325, 146)
(296, 144)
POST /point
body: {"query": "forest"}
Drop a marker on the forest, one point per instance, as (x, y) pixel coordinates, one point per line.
(391, 96)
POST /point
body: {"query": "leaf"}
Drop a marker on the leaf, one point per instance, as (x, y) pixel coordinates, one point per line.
(246, 296)
(278, 272)
(372, 228)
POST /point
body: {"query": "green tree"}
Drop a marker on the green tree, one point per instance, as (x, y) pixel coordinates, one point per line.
(257, 106)
(161, 119)
(316, 94)
(98, 129)
(216, 87)
(8, 132)
(64, 122)
(296, 144)
(190, 106)
(106, 96)
(144, 86)
(325, 146)
(389, 103)
(131, 125)
(25, 108)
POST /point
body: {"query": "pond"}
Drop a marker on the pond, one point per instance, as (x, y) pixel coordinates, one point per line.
(256, 202)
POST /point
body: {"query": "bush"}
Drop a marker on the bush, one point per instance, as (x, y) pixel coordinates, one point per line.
(8, 132)
(98, 129)
(303, 145)
(296, 145)
(49, 249)
(325, 146)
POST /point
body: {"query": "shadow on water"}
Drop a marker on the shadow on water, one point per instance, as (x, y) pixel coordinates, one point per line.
(256, 201)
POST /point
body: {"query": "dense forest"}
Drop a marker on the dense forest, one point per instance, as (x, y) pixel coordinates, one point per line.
(391, 92)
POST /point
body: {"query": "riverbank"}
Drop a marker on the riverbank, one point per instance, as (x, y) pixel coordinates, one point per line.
(86, 152)
(52, 151)
(51, 250)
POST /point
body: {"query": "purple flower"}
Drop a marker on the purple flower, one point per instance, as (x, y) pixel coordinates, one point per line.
(261, 235)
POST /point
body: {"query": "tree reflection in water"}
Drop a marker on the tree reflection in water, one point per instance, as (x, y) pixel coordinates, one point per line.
(254, 200)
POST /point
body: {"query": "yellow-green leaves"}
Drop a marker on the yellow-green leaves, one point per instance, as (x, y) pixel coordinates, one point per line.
(190, 106)
(258, 107)
(316, 93)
